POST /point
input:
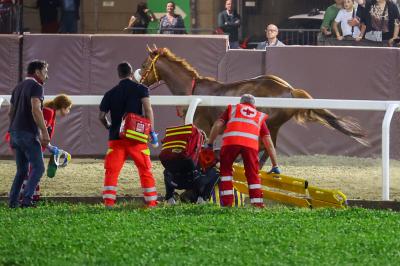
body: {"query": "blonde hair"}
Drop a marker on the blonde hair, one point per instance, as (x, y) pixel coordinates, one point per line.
(59, 102)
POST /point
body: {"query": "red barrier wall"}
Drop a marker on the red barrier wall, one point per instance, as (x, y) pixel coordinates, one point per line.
(9, 71)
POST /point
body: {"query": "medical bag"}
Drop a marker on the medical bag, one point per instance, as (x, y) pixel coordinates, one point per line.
(135, 128)
(180, 148)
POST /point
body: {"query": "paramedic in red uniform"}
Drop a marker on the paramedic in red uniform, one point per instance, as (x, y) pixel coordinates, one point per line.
(127, 97)
(244, 125)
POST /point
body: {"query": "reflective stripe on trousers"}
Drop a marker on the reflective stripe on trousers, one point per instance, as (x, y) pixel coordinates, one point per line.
(255, 186)
(256, 200)
(109, 196)
(148, 190)
(226, 192)
(226, 178)
(113, 188)
(150, 198)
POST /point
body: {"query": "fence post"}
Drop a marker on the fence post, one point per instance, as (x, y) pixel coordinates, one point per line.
(192, 109)
(391, 108)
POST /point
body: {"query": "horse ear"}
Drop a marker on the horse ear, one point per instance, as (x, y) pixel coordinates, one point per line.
(148, 48)
(155, 47)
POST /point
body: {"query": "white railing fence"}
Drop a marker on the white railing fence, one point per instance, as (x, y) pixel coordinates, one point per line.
(193, 101)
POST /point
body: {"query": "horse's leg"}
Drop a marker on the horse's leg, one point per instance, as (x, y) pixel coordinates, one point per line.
(276, 120)
(203, 123)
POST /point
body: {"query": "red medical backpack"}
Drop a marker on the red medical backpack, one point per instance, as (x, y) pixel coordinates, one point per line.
(135, 128)
(180, 148)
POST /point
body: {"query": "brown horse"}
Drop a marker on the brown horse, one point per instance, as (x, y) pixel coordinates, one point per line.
(183, 79)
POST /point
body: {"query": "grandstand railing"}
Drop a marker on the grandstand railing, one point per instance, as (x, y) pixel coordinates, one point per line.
(298, 36)
(151, 30)
(193, 101)
(287, 36)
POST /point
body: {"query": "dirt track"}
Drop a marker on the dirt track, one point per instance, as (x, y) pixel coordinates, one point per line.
(357, 178)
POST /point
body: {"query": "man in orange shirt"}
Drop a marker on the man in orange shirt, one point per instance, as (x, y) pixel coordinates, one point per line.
(244, 125)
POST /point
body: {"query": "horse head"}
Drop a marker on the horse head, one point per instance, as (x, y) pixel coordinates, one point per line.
(148, 74)
(176, 72)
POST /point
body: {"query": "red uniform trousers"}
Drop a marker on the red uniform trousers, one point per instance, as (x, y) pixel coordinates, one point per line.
(228, 155)
(118, 151)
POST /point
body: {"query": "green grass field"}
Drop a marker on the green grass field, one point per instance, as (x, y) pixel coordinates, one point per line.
(62, 234)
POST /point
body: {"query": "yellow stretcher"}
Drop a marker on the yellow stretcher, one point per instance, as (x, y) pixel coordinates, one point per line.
(291, 190)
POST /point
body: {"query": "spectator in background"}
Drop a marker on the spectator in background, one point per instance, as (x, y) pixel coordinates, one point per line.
(344, 18)
(7, 8)
(381, 21)
(397, 3)
(172, 23)
(229, 22)
(271, 33)
(69, 16)
(329, 17)
(141, 19)
(359, 6)
(48, 12)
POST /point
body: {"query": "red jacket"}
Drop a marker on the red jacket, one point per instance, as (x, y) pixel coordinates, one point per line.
(49, 116)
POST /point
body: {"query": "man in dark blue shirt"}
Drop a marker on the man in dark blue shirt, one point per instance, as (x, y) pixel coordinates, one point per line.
(28, 132)
(127, 97)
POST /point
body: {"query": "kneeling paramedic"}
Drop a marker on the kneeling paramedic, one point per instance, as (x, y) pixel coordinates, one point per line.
(244, 125)
(198, 183)
(179, 155)
(126, 100)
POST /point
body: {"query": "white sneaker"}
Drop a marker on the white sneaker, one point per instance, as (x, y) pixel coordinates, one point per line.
(200, 200)
(171, 201)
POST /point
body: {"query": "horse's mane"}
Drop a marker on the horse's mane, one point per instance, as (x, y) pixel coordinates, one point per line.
(165, 52)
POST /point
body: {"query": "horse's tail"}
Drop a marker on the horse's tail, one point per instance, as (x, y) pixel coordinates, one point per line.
(347, 126)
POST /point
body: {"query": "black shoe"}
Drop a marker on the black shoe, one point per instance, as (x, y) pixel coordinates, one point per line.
(13, 205)
(29, 205)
